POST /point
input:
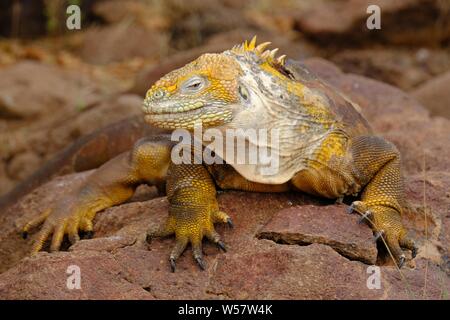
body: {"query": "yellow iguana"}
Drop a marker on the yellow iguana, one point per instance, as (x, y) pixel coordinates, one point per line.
(325, 148)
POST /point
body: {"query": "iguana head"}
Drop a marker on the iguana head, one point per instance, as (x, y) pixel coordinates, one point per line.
(242, 87)
(201, 91)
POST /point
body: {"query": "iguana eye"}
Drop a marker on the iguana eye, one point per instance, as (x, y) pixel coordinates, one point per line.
(158, 94)
(193, 85)
(243, 92)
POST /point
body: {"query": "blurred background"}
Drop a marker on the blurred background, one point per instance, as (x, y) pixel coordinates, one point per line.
(58, 84)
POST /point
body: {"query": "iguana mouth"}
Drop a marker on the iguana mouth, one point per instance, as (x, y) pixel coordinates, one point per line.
(156, 118)
(150, 108)
(186, 117)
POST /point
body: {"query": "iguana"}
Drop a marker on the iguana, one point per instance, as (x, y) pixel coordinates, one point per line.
(326, 148)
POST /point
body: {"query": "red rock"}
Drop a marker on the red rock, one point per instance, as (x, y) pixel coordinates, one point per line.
(100, 44)
(402, 22)
(405, 69)
(435, 95)
(429, 197)
(29, 89)
(329, 225)
(271, 271)
(101, 278)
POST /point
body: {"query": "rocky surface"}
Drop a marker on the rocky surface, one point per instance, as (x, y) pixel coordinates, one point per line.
(100, 44)
(402, 68)
(402, 22)
(44, 108)
(283, 246)
(350, 239)
(47, 87)
(435, 95)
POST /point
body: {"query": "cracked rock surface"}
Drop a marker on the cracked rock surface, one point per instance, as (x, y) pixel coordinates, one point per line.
(283, 246)
(329, 225)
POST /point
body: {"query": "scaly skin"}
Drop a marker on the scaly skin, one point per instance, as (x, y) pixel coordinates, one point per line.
(326, 149)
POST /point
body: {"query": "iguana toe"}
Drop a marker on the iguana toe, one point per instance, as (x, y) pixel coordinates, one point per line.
(408, 243)
(188, 232)
(387, 226)
(378, 234)
(221, 246)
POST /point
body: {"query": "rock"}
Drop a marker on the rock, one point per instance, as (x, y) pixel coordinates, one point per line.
(29, 89)
(100, 43)
(405, 69)
(429, 197)
(435, 95)
(251, 269)
(271, 271)
(116, 11)
(103, 244)
(411, 22)
(5, 182)
(101, 278)
(328, 225)
(312, 251)
(23, 165)
(7, 108)
(194, 21)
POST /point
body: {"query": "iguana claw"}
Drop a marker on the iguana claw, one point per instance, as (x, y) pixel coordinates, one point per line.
(88, 234)
(172, 264)
(414, 252)
(185, 233)
(378, 234)
(350, 209)
(401, 261)
(221, 246)
(364, 216)
(200, 263)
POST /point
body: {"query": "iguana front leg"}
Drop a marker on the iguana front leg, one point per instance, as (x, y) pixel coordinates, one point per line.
(111, 184)
(193, 211)
(376, 164)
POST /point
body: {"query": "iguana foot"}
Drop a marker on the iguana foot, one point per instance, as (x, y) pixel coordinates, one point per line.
(67, 217)
(188, 230)
(386, 224)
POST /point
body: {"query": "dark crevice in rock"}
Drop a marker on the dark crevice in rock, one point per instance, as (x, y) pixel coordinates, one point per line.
(219, 295)
(147, 288)
(305, 240)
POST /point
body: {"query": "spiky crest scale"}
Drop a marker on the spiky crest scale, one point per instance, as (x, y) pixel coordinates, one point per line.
(266, 56)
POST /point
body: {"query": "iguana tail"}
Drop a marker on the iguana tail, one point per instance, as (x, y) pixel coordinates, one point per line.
(88, 152)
